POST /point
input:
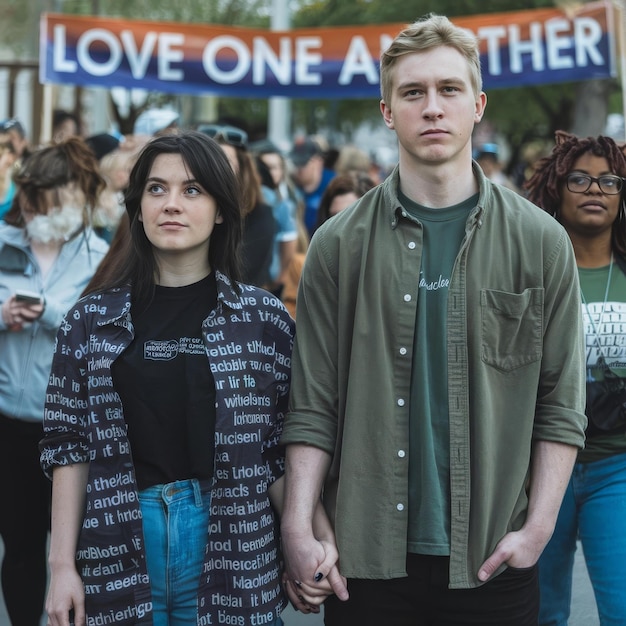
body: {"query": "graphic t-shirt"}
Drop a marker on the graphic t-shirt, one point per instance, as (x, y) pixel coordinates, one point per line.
(166, 386)
(605, 335)
(429, 446)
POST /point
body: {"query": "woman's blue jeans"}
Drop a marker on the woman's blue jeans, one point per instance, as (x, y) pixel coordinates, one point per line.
(175, 523)
(594, 511)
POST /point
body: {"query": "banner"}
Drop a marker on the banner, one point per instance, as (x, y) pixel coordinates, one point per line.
(517, 48)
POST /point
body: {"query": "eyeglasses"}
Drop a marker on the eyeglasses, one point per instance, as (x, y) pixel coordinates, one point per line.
(580, 183)
(230, 134)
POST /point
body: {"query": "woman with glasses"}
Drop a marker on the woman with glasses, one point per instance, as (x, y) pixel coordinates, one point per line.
(581, 183)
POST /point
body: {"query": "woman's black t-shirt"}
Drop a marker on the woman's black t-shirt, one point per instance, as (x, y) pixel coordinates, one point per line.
(166, 386)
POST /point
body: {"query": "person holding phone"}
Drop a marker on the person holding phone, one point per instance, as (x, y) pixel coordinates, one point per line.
(48, 254)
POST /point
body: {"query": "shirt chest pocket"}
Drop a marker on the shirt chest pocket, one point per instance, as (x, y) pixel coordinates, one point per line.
(512, 328)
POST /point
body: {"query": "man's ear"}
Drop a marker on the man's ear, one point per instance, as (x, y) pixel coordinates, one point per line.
(481, 103)
(387, 115)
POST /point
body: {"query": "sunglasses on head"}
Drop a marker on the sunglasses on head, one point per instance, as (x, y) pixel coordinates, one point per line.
(11, 124)
(229, 134)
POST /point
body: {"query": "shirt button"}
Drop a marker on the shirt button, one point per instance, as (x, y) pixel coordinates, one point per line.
(402, 351)
(403, 213)
(401, 453)
(400, 402)
(400, 506)
(411, 245)
(407, 297)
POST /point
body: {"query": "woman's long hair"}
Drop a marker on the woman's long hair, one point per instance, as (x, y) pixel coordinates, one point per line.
(248, 177)
(545, 186)
(131, 260)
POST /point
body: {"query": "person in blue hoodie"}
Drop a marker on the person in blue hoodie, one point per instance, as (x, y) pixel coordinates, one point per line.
(48, 254)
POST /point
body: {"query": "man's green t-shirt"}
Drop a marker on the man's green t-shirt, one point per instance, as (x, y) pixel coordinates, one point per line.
(429, 446)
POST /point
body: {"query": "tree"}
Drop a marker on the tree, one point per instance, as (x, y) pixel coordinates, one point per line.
(19, 22)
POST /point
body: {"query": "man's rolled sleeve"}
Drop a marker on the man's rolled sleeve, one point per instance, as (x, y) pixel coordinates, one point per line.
(560, 414)
(313, 404)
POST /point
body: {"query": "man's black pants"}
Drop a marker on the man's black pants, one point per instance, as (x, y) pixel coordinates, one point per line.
(423, 599)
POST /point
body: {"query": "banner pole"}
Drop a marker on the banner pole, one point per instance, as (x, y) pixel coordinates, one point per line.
(279, 108)
(621, 44)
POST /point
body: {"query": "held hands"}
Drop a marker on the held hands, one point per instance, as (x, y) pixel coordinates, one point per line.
(18, 314)
(66, 593)
(311, 572)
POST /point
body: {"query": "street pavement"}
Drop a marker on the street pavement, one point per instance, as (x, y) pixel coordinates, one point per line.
(583, 603)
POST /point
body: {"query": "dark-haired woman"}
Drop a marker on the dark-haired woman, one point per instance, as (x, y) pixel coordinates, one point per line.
(48, 254)
(164, 411)
(259, 225)
(581, 183)
(342, 191)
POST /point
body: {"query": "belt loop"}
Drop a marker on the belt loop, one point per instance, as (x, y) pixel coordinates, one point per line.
(197, 492)
(166, 495)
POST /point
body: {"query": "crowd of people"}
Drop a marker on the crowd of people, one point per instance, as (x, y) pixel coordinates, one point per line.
(233, 377)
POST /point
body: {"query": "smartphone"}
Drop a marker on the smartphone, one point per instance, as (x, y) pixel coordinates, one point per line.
(28, 297)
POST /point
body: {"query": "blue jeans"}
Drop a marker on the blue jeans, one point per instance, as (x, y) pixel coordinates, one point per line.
(176, 527)
(594, 511)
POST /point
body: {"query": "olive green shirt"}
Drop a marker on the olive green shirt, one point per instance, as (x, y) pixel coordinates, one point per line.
(515, 370)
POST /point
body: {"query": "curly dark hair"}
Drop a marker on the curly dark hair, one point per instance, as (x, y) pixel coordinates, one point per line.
(546, 185)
